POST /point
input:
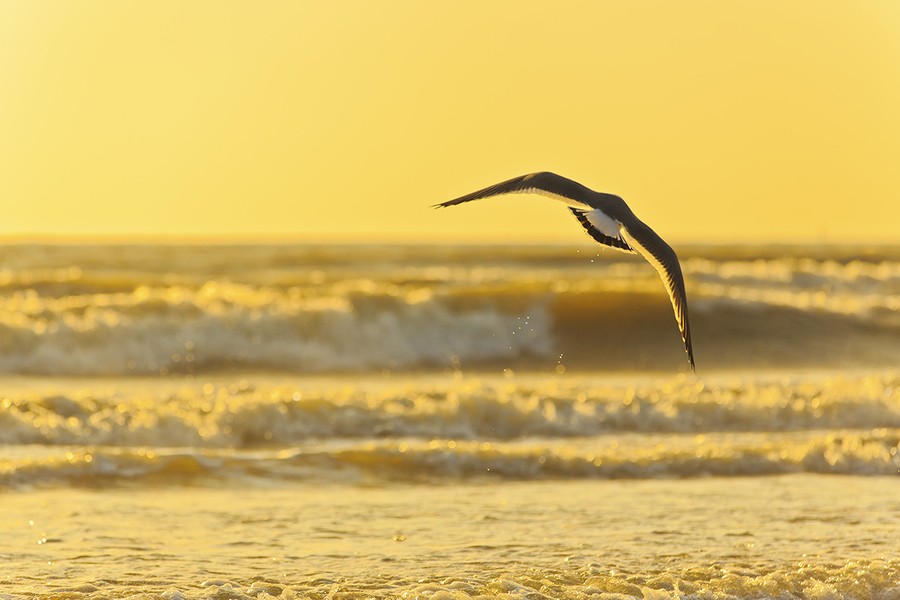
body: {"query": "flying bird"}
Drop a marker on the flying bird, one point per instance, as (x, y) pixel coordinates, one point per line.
(608, 220)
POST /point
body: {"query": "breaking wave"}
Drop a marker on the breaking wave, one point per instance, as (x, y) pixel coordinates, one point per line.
(115, 311)
(242, 415)
(631, 457)
(551, 428)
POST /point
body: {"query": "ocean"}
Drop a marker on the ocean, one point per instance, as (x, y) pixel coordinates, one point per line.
(260, 421)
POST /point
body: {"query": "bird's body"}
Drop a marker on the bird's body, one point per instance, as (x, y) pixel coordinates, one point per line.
(610, 221)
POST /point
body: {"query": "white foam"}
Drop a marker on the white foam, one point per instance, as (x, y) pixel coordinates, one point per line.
(177, 329)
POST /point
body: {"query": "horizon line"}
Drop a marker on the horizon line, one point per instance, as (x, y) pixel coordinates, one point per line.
(302, 238)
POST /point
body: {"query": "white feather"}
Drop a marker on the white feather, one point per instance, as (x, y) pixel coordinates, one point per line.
(603, 222)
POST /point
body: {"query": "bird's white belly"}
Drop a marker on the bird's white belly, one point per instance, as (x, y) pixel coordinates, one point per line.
(606, 225)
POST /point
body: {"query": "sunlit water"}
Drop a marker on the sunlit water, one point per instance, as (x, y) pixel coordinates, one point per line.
(810, 536)
(341, 422)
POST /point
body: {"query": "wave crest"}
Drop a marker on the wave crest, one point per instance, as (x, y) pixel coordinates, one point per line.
(143, 310)
(245, 416)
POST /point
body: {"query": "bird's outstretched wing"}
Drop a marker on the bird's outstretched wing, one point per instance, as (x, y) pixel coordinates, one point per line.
(659, 254)
(581, 200)
(543, 183)
(609, 221)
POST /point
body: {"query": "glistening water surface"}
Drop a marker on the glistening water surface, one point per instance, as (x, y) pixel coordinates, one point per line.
(401, 422)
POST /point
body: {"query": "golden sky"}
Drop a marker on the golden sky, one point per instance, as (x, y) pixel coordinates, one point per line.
(716, 121)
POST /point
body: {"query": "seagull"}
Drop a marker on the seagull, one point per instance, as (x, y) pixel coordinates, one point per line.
(609, 221)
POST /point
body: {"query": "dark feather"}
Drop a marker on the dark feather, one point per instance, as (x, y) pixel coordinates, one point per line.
(543, 182)
(659, 254)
